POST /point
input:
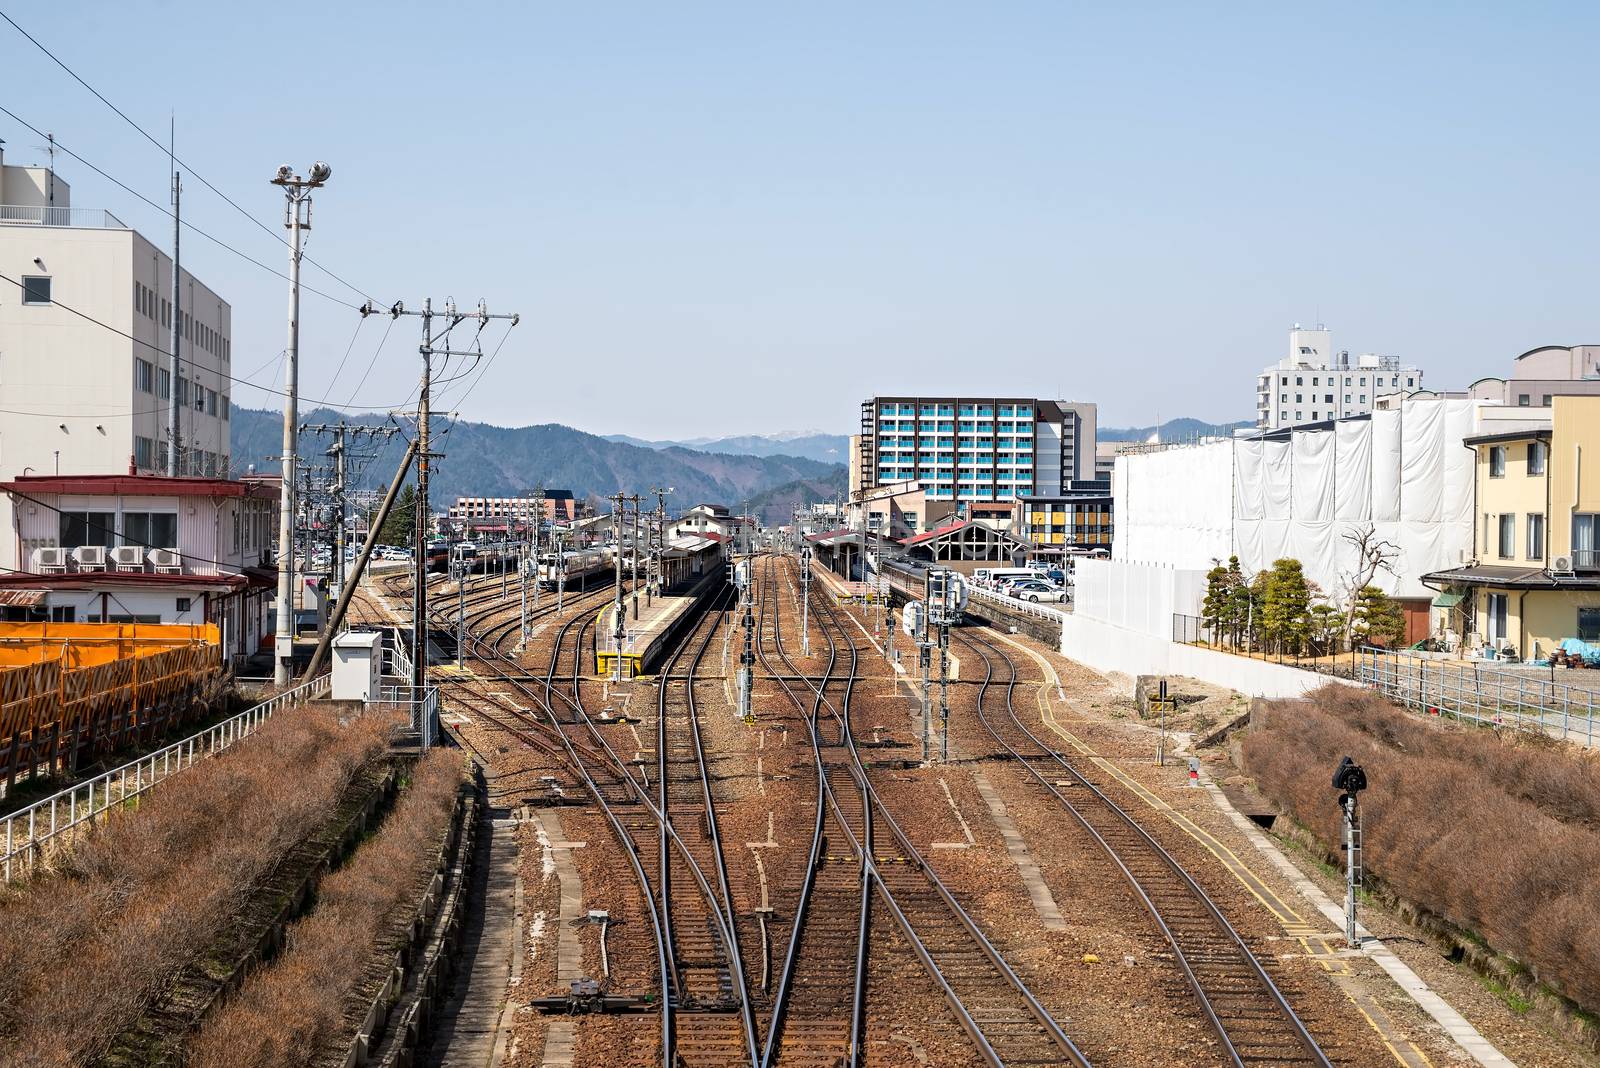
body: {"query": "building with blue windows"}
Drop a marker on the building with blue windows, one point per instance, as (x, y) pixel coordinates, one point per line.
(974, 449)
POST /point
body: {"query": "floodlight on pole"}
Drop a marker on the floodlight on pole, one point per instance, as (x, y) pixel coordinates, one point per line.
(296, 219)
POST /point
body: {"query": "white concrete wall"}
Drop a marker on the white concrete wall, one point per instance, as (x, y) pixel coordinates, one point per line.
(1108, 648)
(76, 379)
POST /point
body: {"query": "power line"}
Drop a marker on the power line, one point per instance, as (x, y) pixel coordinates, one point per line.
(167, 151)
(168, 212)
(163, 352)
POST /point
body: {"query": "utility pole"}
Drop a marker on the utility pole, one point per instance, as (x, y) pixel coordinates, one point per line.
(174, 363)
(434, 343)
(297, 218)
(340, 486)
(616, 607)
(635, 555)
(805, 601)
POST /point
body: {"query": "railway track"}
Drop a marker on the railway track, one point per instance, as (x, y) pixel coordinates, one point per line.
(1253, 1021)
(1000, 1015)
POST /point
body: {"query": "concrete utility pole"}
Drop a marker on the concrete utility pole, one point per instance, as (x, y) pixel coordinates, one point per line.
(296, 218)
(805, 601)
(616, 607)
(635, 554)
(339, 487)
(434, 343)
(174, 363)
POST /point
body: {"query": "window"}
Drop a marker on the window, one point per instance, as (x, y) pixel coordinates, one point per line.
(183, 391)
(1537, 451)
(211, 402)
(1314, 415)
(1535, 536)
(144, 375)
(144, 452)
(1284, 399)
(1347, 398)
(88, 528)
(1297, 415)
(156, 618)
(1585, 535)
(1411, 382)
(183, 604)
(1498, 606)
(1363, 381)
(1497, 461)
(1285, 381)
(1522, 400)
(1299, 381)
(1363, 398)
(1589, 624)
(1508, 535)
(199, 397)
(63, 613)
(1299, 398)
(163, 383)
(1327, 398)
(35, 289)
(155, 530)
(1546, 402)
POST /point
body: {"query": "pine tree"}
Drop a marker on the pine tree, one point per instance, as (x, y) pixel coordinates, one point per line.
(1376, 617)
(400, 527)
(1214, 612)
(1286, 603)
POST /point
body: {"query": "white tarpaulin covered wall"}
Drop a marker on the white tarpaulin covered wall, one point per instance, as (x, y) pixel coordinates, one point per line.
(1405, 472)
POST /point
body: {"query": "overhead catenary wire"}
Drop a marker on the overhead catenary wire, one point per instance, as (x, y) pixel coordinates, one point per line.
(169, 214)
(158, 350)
(166, 150)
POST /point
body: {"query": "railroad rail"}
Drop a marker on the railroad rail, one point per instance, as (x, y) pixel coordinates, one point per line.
(1252, 1020)
(999, 1013)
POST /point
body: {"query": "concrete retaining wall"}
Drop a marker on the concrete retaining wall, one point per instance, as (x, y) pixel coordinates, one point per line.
(1108, 648)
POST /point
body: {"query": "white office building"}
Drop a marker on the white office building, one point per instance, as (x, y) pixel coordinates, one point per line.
(1314, 384)
(77, 398)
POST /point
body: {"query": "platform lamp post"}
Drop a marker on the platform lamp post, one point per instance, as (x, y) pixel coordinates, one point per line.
(1350, 780)
(296, 219)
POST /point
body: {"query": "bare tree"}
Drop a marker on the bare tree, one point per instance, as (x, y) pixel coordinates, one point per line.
(1373, 554)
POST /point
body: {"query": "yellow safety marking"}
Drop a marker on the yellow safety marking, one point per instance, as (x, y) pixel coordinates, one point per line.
(1292, 922)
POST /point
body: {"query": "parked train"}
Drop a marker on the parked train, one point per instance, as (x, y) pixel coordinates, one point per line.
(909, 580)
(578, 564)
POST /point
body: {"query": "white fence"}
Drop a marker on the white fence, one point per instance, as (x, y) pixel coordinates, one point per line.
(28, 830)
(1017, 604)
(1524, 699)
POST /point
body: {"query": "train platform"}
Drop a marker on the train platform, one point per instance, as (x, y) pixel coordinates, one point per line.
(645, 636)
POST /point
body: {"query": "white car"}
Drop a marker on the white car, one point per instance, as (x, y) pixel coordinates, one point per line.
(1035, 591)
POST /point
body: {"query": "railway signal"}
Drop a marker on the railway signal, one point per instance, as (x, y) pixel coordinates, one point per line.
(1350, 780)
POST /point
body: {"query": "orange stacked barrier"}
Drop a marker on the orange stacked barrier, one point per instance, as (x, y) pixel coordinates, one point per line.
(71, 692)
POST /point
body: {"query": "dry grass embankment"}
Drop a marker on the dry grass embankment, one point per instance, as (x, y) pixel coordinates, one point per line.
(1498, 835)
(84, 949)
(298, 1007)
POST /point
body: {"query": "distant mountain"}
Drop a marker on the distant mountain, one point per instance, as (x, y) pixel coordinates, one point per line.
(484, 460)
(777, 506)
(811, 444)
(1172, 430)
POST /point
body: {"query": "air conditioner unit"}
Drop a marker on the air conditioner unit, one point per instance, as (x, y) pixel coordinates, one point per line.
(90, 557)
(128, 557)
(1501, 644)
(1466, 556)
(1561, 563)
(49, 558)
(166, 561)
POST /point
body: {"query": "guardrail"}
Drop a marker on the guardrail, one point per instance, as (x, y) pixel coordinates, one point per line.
(1524, 700)
(398, 693)
(44, 215)
(1017, 604)
(28, 830)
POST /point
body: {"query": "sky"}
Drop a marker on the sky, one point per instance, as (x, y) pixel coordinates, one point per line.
(736, 218)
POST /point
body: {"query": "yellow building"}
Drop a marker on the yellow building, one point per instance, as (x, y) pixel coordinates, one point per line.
(1058, 524)
(1535, 576)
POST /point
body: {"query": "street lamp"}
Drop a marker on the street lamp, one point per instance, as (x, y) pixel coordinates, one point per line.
(296, 218)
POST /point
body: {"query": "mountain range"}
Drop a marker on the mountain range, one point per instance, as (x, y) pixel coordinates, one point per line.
(835, 448)
(812, 444)
(484, 460)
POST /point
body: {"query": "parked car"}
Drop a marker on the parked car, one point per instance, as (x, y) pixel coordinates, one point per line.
(1035, 591)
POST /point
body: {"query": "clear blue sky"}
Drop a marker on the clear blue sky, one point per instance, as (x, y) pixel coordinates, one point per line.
(735, 218)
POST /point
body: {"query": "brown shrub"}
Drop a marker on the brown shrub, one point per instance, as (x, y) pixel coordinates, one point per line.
(1499, 835)
(302, 1003)
(84, 949)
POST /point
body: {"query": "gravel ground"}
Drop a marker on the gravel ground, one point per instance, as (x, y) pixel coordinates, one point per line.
(1127, 1007)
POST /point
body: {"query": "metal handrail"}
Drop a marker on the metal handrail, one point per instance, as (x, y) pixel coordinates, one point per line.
(44, 215)
(28, 829)
(1018, 604)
